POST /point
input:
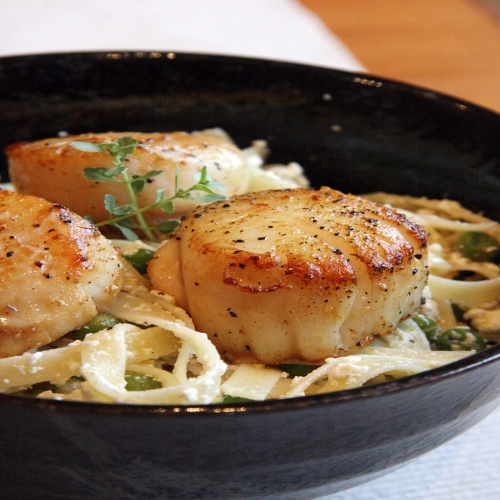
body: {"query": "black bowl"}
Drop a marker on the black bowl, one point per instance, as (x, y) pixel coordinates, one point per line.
(354, 132)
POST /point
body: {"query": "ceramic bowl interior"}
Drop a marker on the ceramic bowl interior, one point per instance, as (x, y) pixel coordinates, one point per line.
(354, 132)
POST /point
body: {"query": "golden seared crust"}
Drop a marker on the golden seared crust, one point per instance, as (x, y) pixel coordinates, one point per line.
(294, 273)
(268, 273)
(56, 272)
(46, 168)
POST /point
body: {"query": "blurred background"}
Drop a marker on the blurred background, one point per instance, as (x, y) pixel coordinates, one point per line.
(447, 45)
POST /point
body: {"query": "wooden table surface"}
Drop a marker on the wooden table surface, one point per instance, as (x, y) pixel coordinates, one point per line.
(452, 46)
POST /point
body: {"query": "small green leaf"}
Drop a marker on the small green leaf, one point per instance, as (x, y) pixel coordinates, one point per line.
(96, 174)
(429, 326)
(137, 185)
(182, 195)
(100, 174)
(129, 217)
(88, 147)
(109, 203)
(166, 205)
(126, 142)
(478, 246)
(202, 187)
(202, 176)
(140, 259)
(128, 233)
(177, 173)
(96, 324)
(141, 383)
(160, 196)
(124, 146)
(153, 173)
(458, 312)
(128, 222)
(116, 171)
(168, 226)
(107, 147)
(208, 198)
(215, 185)
(124, 210)
(460, 339)
(235, 399)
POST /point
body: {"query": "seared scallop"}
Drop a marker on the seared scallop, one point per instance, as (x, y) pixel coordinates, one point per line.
(52, 169)
(56, 272)
(294, 274)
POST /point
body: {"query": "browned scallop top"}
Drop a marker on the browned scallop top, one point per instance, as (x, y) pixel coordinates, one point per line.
(56, 272)
(294, 274)
(54, 170)
(317, 230)
(33, 231)
(182, 143)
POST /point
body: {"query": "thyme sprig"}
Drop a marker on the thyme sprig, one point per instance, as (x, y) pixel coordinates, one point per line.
(129, 218)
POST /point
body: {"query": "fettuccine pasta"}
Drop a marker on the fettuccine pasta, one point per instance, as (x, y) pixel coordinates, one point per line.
(148, 351)
(156, 340)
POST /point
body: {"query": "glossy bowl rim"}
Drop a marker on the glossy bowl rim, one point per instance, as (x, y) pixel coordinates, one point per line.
(436, 375)
(367, 77)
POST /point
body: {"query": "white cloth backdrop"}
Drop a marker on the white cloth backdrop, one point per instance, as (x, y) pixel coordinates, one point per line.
(468, 467)
(277, 29)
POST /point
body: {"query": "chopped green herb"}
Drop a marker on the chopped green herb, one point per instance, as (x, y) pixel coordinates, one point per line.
(140, 259)
(428, 326)
(460, 339)
(96, 324)
(129, 217)
(458, 312)
(478, 246)
(141, 383)
(236, 399)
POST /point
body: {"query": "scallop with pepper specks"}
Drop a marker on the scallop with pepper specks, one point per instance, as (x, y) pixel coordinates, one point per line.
(56, 272)
(294, 274)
